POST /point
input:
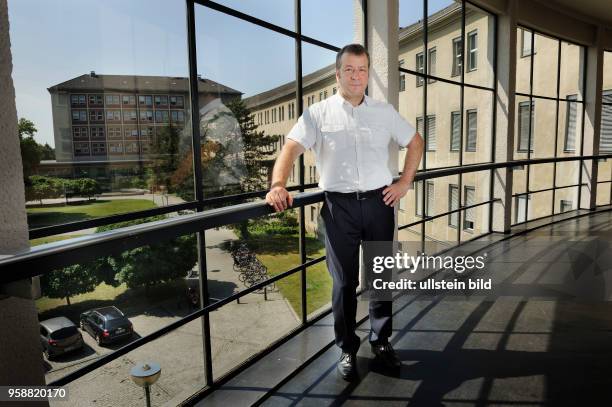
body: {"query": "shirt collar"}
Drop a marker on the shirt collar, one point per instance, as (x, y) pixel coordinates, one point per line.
(213, 104)
(366, 100)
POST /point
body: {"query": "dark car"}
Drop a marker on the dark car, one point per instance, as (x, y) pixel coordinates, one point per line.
(58, 336)
(106, 324)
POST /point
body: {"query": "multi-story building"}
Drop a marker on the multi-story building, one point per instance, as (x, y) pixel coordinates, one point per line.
(115, 118)
(452, 140)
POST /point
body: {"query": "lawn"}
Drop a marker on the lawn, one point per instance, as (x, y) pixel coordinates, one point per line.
(58, 214)
(281, 253)
(51, 239)
(124, 298)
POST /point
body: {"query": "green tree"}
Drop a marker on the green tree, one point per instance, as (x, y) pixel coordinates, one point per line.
(39, 187)
(149, 265)
(30, 149)
(70, 281)
(86, 187)
(165, 153)
(47, 152)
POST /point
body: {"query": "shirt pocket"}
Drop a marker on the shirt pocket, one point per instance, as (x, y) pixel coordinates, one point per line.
(334, 136)
(376, 136)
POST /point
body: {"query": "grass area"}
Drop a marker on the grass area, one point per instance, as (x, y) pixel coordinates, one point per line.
(50, 239)
(122, 297)
(281, 253)
(47, 216)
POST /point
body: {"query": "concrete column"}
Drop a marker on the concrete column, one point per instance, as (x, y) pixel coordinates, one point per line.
(592, 122)
(383, 45)
(505, 117)
(21, 360)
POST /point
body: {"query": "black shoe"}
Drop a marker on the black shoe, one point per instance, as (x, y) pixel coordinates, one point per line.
(385, 353)
(347, 366)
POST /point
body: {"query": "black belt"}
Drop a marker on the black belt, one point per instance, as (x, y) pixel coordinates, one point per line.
(359, 195)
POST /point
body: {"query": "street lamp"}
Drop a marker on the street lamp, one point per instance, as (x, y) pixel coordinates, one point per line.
(144, 375)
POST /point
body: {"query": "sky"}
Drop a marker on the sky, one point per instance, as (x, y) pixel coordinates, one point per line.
(56, 40)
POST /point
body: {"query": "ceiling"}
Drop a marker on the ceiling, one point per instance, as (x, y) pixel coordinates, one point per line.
(598, 11)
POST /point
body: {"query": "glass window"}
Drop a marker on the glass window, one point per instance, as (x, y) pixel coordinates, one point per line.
(526, 39)
(471, 121)
(470, 214)
(420, 68)
(524, 130)
(453, 203)
(402, 78)
(472, 41)
(431, 63)
(605, 141)
(565, 205)
(570, 124)
(457, 59)
(455, 142)
(430, 133)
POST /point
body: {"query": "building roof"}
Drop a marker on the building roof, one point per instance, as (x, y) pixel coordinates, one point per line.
(328, 71)
(129, 83)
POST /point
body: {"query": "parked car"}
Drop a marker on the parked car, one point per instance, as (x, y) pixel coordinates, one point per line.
(58, 336)
(106, 324)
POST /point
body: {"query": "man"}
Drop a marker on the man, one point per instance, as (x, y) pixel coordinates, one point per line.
(350, 134)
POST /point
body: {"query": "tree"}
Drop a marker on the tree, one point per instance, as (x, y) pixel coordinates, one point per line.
(86, 187)
(47, 152)
(165, 152)
(149, 265)
(30, 149)
(70, 281)
(39, 188)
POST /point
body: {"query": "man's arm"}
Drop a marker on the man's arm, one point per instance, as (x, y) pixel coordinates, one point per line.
(394, 192)
(278, 197)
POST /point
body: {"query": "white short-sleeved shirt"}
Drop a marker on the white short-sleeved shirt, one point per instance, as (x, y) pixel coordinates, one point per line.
(351, 144)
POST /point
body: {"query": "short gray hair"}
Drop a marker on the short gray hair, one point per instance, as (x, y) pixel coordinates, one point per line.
(355, 49)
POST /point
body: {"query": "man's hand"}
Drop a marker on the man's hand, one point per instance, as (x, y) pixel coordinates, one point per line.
(279, 198)
(394, 192)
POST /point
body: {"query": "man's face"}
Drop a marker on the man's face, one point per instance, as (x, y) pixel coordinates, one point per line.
(353, 75)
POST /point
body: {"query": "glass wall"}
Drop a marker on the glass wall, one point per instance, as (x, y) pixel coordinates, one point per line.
(446, 64)
(549, 124)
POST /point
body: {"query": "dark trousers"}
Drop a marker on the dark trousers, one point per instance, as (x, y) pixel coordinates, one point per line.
(348, 222)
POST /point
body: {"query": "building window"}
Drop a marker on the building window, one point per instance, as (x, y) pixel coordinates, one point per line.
(161, 116)
(79, 133)
(320, 96)
(420, 68)
(112, 99)
(430, 133)
(524, 128)
(96, 100)
(324, 94)
(81, 148)
(98, 148)
(78, 100)
(570, 123)
(453, 204)
(129, 115)
(565, 205)
(145, 100)
(402, 78)
(605, 141)
(334, 90)
(429, 198)
(129, 99)
(455, 140)
(431, 64)
(97, 132)
(472, 54)
(115, 148)
(521, 208)
(96, 115)
(146, 115)
(470, 214)
(79, 115)
(178, 116)
(526, 38)
(312, 213)
(114, 132)
(161, 101)
(176, 101)
(457, 57)
(472, 124)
